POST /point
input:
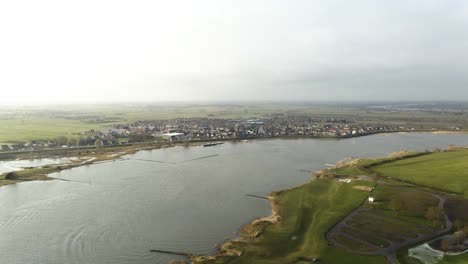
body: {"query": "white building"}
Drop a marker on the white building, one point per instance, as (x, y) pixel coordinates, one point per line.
(172, 136)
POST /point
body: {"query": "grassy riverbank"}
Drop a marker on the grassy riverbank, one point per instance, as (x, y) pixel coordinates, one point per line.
(308, 212)
(447, 170)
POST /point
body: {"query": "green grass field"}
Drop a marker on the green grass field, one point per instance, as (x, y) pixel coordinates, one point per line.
(414, 202)
(442, 170)
(307, 212)
(462, 259)
(360, 167)
(379, 224)
(24, 129)
(19, 125)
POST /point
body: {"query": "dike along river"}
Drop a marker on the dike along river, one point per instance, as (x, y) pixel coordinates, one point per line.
(178, 199)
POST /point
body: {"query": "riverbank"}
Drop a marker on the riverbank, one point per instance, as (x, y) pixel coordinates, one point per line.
(76, 151)
(302, 215)
(89, 154)
(252, 230)
(88, 157)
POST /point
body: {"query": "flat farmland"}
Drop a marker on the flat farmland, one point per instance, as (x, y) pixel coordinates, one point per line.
(442, 170)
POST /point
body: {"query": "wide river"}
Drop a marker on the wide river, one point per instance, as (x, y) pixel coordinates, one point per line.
(190, 200)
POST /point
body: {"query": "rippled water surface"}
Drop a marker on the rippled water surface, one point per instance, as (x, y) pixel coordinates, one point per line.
(187, 199)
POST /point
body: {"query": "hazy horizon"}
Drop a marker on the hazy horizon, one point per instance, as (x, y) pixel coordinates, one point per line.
(247, 103)
(233, 51)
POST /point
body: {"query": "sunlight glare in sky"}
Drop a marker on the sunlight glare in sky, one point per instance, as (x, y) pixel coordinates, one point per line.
(100, 51)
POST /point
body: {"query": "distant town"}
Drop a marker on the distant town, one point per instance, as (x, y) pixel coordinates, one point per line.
(206, 129)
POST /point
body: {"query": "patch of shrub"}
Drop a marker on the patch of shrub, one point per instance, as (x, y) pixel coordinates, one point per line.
(11, 176)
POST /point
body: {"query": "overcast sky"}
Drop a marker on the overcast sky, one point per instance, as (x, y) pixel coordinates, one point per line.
(311, 50)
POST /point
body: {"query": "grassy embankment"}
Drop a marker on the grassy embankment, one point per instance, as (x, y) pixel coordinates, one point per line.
(446, 170)
(307, 212)
(397, 215)
(441, 172)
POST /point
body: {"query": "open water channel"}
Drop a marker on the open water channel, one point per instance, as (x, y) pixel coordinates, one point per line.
(181, 199)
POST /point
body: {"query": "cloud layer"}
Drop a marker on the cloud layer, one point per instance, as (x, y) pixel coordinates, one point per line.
(233, 50)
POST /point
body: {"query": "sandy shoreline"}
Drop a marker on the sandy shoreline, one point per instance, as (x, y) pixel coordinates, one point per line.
(248, 231)
(42, 173)
(450, 132)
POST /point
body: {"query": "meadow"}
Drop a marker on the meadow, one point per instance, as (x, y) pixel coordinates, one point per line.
(446, 170)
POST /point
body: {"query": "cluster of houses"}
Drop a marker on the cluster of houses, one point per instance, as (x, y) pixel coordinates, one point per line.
(201, 128)
(210, 128)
